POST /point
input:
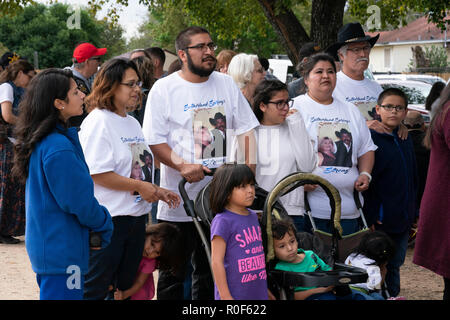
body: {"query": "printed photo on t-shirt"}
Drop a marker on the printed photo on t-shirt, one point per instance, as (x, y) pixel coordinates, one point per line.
(142, 163)
(334, 145)
(209, 132)
(367, 109)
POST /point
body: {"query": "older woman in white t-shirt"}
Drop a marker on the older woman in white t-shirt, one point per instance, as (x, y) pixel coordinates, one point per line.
(326, 116)
(112, 143)
(284, 146)
(247, 72)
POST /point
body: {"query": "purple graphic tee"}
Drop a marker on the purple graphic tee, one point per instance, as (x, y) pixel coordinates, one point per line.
(244, 259)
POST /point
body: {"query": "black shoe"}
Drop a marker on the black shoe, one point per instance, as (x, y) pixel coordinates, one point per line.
(9, 240)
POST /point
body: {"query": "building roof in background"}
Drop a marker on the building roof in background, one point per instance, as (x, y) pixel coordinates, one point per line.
(417, 30)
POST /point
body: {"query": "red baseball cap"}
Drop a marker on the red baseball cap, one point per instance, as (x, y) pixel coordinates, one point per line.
(86, 50)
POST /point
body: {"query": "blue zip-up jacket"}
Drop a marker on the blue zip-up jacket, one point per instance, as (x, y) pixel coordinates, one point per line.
(60, 205)
(391, 197)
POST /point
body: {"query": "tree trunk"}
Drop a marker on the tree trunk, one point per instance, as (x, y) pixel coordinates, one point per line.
(326, 19)
(290, 32)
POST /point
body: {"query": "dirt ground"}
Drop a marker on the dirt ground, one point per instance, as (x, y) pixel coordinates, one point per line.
(18, 281)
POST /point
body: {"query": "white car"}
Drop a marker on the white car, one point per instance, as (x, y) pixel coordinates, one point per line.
(416, 91)
(413, 77)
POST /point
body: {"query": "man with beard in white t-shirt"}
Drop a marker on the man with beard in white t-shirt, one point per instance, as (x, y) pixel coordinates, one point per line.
(177, 106)
(353, 49)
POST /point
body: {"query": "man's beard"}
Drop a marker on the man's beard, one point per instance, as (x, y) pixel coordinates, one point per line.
(201, 72)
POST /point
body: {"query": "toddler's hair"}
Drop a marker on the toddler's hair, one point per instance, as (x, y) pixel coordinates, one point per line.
(377, 246)
(225, 179)
(392, 92)
(171, 254)
(281, 227)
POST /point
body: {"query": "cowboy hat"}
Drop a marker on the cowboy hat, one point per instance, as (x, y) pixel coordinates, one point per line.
(217, 116)
(350, 33)
(343, 130)
(145, 154)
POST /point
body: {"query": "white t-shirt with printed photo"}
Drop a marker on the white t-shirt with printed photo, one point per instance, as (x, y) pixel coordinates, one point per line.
(181, 113)
(114, 143)
(362, 93)
(329, 122)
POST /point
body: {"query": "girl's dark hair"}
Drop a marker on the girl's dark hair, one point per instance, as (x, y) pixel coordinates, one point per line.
(282, 226)
(392, 92)
(439, 116)
(225, 179)
(265, 90)
(377, 246)
(435, 92)
(38, 116)
(12, 71)
(171, 255)
(106, 82)
(314, 59)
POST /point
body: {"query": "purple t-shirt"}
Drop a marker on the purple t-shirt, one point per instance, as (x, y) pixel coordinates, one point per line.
(244, 259)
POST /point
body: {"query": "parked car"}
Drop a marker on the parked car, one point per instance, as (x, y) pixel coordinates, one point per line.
(416, 91)
(413, 77)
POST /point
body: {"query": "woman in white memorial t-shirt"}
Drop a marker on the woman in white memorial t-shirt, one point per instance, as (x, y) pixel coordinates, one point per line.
(284, 146)
(340, 121)
(112, 143)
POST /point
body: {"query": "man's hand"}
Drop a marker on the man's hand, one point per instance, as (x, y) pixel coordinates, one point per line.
(377, 126)
(193, 172)
(362, 183)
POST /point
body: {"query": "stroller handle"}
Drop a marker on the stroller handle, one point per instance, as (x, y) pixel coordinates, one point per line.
(300, 179)
(188, 203)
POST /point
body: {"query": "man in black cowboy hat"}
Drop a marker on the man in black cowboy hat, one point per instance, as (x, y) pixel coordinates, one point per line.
(217, 148)
(353, 49)
(147, 168)
(344, 148)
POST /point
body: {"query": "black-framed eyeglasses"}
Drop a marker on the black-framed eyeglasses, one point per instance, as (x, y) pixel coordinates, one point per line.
(390, 107)
(99, 59)
(132, 84)
(202, 46)
(280, 104)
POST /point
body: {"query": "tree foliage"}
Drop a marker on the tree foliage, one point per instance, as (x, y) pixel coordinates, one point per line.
(44, 29)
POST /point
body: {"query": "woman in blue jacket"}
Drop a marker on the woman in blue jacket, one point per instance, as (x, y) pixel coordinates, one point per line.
(61, 210)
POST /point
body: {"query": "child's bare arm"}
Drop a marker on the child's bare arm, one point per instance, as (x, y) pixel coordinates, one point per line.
(218, 248)
(140, 280)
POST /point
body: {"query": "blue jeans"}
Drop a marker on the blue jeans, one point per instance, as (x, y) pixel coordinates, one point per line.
(56, 287)
(117, 264)
(349, 226)
(393, 267)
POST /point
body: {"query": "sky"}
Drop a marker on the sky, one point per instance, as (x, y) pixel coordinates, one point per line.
(130, 17)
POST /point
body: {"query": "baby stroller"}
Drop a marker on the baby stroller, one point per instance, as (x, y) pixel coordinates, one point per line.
(341, 275)
(283, 281)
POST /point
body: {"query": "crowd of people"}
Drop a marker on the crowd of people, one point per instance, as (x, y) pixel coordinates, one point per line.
(92, 155)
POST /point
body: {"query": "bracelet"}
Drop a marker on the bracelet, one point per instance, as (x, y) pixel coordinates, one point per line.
(366, 174)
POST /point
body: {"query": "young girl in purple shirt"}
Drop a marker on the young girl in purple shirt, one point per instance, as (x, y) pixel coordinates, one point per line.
(237, 253)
